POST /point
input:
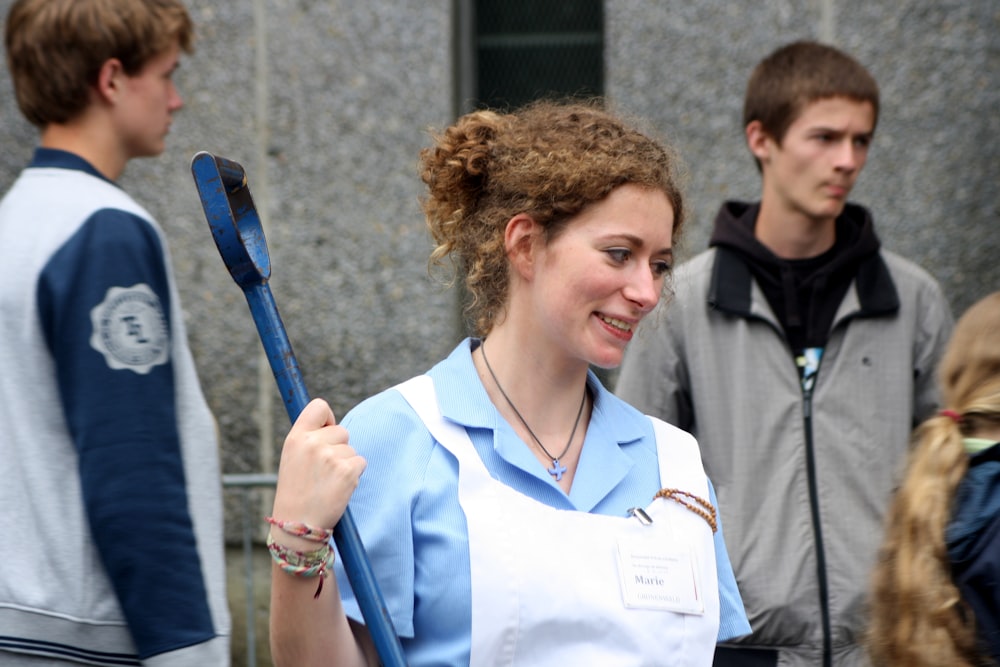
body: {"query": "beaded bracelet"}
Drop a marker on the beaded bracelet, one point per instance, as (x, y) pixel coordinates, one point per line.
(706, 511)
(316, 563)
(301, 530)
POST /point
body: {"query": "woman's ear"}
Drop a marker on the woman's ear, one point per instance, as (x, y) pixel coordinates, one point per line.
(520, 239)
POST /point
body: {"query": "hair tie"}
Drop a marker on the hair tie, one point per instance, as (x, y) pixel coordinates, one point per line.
(952, 415)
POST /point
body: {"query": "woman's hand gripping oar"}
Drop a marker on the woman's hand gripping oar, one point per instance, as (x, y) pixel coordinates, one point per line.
(236, 228)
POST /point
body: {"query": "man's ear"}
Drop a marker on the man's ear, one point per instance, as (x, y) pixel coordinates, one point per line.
(758, 140)
(520, 239)
(109, 79)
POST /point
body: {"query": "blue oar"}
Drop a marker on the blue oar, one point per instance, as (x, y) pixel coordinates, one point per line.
(232, 217)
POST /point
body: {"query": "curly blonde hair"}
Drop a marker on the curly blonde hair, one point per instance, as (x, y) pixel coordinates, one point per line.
(918, 617)
(549, 160)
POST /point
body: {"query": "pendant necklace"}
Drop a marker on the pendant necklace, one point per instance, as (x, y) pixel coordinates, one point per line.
(557, 468)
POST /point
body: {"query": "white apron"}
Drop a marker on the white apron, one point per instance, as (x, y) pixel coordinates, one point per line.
(549, 585)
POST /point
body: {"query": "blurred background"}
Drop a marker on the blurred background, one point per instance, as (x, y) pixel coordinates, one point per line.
(326, 103)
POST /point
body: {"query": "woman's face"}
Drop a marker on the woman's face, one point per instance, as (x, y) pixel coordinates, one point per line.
(603, 273)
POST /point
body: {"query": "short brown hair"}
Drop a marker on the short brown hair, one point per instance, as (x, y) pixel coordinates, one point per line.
(549, 159)
(55, 48)
(797, 75)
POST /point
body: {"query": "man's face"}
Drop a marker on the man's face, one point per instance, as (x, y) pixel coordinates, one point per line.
(147, 107)
(811, 173)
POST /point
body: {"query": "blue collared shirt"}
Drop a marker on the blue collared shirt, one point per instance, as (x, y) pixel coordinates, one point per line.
(413, 527)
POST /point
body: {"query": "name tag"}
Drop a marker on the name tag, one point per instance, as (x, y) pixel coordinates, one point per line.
(657, 575)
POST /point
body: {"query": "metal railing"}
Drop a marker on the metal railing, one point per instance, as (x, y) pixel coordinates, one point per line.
(246, 484)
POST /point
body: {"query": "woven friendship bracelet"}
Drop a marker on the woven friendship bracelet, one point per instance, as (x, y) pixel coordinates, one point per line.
(702, 508)
(302, 530)
(316, 563)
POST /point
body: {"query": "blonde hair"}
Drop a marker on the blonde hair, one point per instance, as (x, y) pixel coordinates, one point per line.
(549, 160)
(918, 617)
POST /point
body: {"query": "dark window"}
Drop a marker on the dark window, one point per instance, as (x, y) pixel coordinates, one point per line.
(527, 49)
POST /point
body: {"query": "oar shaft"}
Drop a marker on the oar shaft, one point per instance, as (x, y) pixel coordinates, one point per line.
(278, 348)
(239, 236)
(291, 384)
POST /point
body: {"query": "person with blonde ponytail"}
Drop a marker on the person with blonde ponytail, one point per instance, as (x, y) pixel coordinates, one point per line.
(936, 587)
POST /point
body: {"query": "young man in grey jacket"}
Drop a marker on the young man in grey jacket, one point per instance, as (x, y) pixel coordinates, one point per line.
(801, 354)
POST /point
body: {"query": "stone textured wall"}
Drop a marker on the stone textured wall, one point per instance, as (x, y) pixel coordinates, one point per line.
(933, 176)
(327, 103)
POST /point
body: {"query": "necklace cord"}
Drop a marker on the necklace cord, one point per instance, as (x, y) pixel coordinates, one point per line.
(555, 459)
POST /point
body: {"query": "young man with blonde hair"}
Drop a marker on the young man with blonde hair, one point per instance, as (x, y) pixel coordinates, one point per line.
(801, 354)
(111, 494)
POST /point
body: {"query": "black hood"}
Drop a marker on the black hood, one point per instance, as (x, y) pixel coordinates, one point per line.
(855, 239)
(803, 293)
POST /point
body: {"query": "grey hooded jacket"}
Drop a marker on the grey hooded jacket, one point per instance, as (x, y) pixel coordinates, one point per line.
(802, 477)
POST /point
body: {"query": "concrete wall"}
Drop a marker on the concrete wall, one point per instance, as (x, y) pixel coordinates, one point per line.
(933, 175)
(326, 103)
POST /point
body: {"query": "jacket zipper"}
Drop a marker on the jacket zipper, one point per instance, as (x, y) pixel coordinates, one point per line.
(824, 593)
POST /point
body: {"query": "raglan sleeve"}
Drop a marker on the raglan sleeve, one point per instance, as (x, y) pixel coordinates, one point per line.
(733, 621)
(934, 328)
(385, 433)
(104, 301)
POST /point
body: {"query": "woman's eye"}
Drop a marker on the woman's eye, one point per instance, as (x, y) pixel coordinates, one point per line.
(661, 269)
(619, 255)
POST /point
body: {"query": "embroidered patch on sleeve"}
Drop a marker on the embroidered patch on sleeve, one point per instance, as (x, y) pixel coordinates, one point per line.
(130, 329)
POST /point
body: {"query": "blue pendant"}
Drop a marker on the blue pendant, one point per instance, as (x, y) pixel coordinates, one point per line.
(557, 469)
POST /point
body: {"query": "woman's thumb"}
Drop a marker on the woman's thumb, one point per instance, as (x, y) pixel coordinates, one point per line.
(314, 416)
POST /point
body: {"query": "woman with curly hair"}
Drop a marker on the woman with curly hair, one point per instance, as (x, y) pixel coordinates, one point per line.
(936, 598)
(515, 512)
